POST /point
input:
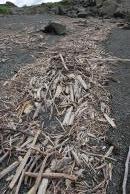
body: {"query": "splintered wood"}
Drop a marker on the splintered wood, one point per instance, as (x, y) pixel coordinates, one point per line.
(54, 131)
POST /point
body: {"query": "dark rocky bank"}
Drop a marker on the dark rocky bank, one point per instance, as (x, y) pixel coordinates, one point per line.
(78, 8)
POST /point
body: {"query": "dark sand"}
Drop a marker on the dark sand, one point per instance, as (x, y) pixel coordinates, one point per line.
(118, 45)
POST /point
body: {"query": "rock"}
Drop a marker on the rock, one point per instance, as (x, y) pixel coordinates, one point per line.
(93, 11)
(128, 17)
(10, 4)
(126, 26)
(108, 8)
(54, 10)
(55, 28)
(83, 13)
(92, 3)
(120, 12)
(61, 10)
(72, 14)
(99, 3)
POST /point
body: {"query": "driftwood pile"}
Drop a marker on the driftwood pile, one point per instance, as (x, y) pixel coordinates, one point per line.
(53, 135)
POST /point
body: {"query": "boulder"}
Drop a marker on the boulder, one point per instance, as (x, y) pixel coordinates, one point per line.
(93, 11)
(54, 10)
(55, 28)
(72, 14)
(92, 3)
(99, 3)
(120, 12)
(108, 8)
(128, 17)
(10, 4)
(83, 13)
(126, 26)
(61, 10)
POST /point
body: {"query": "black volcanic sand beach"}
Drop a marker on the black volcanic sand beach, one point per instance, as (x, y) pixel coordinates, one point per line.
(118, 45)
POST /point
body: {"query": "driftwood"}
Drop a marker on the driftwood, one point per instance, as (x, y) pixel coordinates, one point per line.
(110, 59)
(8, 169)
(39, 177)
(4, 157)
(52, 176)
(63, 62)
(20, 182)
(126, 172)
(23, 163)
(22, 176)
(31, 167)
(61, 96)
(44, 183)
(110, 120)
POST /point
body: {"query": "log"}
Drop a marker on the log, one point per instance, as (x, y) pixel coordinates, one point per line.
(63, 62)
(52, 176)
(110, 59)
(39, 177)
(44, 184)
(7, 170)
(4, 157)
(23, 163)
(22, 176)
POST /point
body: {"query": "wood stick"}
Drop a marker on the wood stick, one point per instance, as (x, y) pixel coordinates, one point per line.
(31, 167)
(52, 176)
(44, 184)
(126, 172)
(20, 181)
(17, 130)
(31, 190)
(22, 176)
(23, 163)
(63, 62)
(110, 59)
(8, 169)
(4, 157)
(99, 155)
(76, 158)
(39, 177)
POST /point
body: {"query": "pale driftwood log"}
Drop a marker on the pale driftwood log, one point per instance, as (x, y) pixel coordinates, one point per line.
(109, 152)
(110, 59)
(20, 182)
(44, 184)
(126, 172)
(23, 163)
(39, 177)
(52, 176)
(67, 116)
(58, 91)
(63, 62)
(99, 155)
(10, 168)
(76, 158)
(22, 176)
(71, 93)
(110, 120)
(31, 190)
(31, 167)
(82, 82)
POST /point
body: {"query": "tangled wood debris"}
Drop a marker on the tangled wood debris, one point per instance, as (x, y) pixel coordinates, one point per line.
(54, 130)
